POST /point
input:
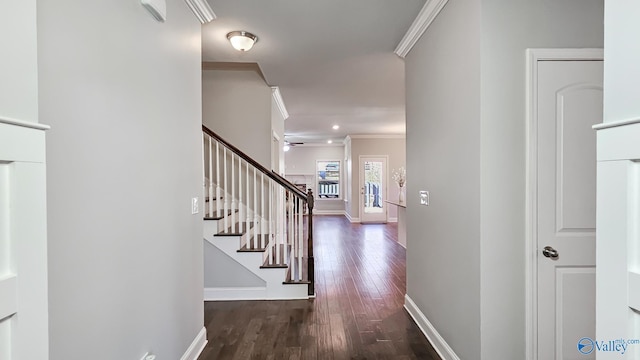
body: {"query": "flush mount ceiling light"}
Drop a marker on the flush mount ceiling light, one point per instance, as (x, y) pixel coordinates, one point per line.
(336, 127)
(242, 40)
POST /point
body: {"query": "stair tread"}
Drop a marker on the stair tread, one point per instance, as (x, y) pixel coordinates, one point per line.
(235, 230)
(250, 246)
(218, 215)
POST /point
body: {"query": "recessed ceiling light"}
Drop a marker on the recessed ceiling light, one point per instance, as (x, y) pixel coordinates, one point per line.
(242, 40)
(329, 141)
(336, 127)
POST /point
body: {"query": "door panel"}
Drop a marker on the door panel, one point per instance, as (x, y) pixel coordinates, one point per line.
(569, 103)
(373, 189)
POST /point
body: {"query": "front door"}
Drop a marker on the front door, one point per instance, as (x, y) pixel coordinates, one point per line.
(373, 189)
(569, 104)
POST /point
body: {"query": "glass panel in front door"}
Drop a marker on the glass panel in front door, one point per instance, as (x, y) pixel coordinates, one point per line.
(373, 187)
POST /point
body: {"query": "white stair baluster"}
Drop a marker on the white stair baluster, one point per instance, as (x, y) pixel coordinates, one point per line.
(248, 215)
(255, 207)
(240, 212)
(272, 244)
(204, 161)
(226, 198)
(233, 193)
(218, 200)
(210, 193)
(300, 236)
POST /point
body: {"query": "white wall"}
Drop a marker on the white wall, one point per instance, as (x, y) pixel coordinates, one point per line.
(443, 156)
(19, 70)
(395, 149)
(300, 164)
(448, 149)
(622, 56)
(236, 104)
(122, 93)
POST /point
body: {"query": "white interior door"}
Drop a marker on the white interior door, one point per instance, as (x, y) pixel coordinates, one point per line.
(373, 189)
(569, 103)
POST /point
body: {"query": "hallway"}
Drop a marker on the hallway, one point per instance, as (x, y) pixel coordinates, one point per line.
(357, 314)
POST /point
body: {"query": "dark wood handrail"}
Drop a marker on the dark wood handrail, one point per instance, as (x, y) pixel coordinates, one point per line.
(271, 174)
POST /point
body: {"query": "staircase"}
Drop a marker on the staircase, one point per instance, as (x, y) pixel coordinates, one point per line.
(260, 220)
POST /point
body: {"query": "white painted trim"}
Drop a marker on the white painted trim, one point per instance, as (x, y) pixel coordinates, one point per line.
(27, 124)
(328, 212)
(351, 220)
(196, 346)
(612, 124)
(235, 293)
(201, 10)
(277, 97)
(392, 219)
(429, 12)
(437, 341)
(377, 136)
(531, 194)
(275, 135)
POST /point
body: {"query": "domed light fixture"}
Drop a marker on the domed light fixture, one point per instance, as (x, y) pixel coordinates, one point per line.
(242, 40)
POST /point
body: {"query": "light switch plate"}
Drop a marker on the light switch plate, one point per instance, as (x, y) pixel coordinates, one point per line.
(424, 197)
(194, 206)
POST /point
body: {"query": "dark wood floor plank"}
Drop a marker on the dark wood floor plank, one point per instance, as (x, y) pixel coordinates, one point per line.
(357, 314)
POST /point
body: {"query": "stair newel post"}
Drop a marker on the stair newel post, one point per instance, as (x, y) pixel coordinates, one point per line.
(310, 265)
(210, 192)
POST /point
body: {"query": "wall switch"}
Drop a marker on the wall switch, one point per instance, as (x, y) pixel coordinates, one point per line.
(424, 197)
(194, 205)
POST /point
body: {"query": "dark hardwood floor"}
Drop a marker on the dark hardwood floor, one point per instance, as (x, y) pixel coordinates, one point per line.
(357, 313)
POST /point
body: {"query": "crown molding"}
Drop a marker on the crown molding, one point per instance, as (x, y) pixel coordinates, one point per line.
(201, 10)
(429, 12)
(377, 136)
(275, 92)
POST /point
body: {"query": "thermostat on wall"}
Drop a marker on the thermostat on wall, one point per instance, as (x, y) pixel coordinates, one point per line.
(157, 8)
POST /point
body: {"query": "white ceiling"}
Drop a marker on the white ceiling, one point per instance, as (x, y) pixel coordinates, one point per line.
(332, 59)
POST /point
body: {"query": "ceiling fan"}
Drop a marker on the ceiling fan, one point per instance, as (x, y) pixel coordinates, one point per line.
(289, 144)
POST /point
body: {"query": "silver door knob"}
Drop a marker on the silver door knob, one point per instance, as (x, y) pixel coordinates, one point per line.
(550, 252)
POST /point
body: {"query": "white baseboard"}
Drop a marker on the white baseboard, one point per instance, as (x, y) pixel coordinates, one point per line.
(328, 212)
(196, 346)
(392, 220)
(442, 348)
(351, 220)
(235, 293)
